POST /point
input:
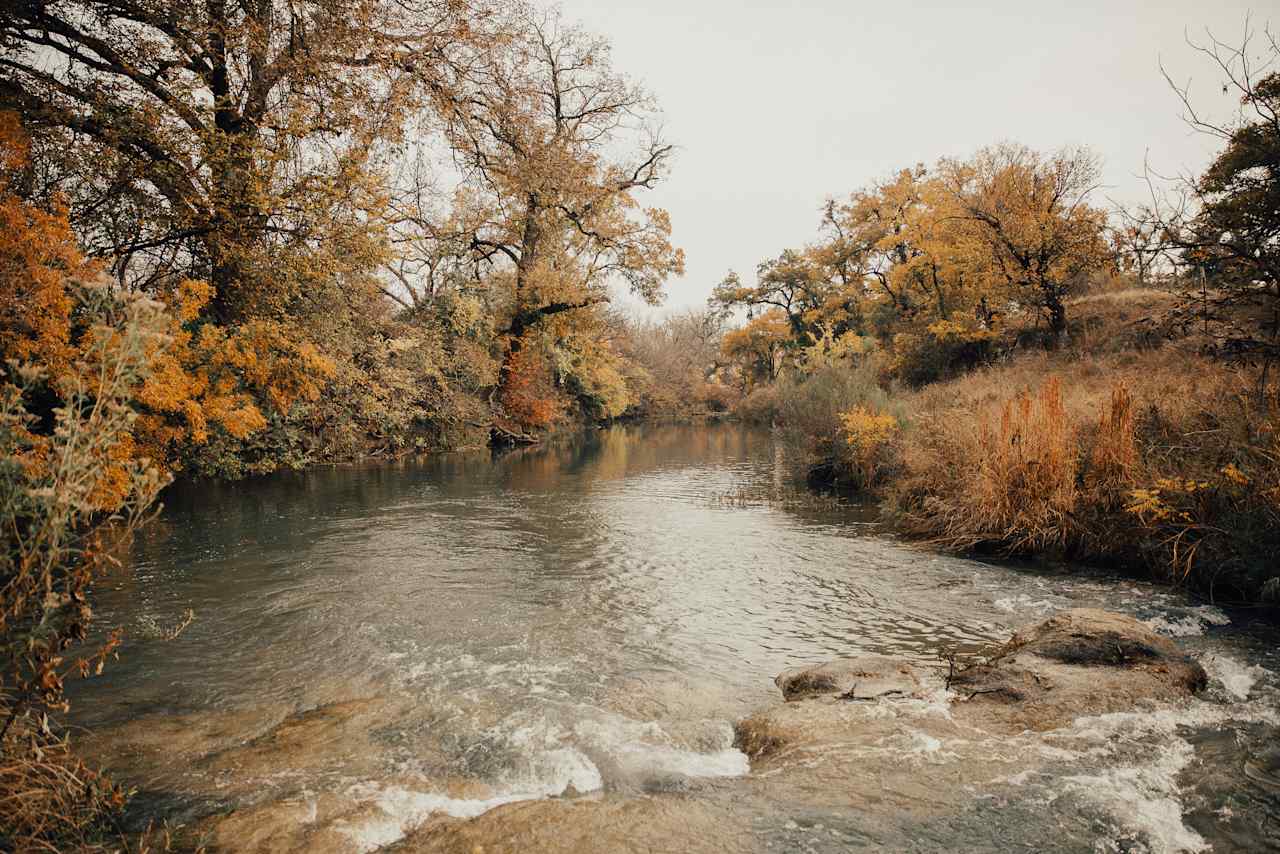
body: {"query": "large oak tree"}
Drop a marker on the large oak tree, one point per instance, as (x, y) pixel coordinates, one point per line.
(235, 141)
(553, 147)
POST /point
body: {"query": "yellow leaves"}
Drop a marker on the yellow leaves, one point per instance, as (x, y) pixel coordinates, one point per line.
(865, 431)
(1148, 506)
(757, 347)
(828, 349)
(1234, 475)
(951, 330)
(275, 359)
(1180, 484)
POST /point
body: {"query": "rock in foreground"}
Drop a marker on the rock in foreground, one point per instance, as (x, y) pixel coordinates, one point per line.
(864, 678)
(1078, 662)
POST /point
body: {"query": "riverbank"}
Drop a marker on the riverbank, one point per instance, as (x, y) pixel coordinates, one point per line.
(1126, 447)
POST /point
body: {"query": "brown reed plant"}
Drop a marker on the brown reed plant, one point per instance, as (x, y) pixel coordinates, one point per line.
(1024, 486)
(1113, 457)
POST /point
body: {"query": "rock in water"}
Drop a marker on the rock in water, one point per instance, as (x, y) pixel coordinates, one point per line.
(1078, 662)
(867, 677)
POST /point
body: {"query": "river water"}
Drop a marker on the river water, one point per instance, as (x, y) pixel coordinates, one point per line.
(385, 645)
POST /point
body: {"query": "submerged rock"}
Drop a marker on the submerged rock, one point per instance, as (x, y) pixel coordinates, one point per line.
(867, 677)
(586, 826)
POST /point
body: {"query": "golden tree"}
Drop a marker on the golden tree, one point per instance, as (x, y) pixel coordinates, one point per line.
(758, 347)
(554, 146)
(234, 142)
(1026, 230)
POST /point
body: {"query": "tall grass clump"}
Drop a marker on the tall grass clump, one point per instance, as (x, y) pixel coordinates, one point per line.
(1135, 459)
(1022, 486)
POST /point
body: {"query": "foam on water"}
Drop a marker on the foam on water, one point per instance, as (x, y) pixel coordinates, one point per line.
(549, 773)
(1024, 604)
(1189, 623)
(553, 762)
(1135, 759)
(1237, 679)
(1145, 799)
(404, 809)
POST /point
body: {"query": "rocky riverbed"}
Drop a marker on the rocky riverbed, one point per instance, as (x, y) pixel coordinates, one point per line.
(910, 750)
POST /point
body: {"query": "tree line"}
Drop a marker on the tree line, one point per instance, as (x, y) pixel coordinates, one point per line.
(943, 267)
(377, 226)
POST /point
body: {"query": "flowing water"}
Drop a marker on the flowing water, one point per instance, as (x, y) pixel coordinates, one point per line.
(587, 621)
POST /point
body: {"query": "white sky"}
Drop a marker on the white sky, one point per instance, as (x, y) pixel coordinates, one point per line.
(776, 106)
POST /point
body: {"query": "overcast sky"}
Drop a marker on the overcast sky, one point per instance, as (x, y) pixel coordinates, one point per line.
(776, 106)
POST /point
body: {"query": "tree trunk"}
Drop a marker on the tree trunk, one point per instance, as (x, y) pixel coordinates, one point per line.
(529, 240)
(1057, 318)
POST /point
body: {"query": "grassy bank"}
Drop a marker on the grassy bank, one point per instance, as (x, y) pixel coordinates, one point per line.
(1125, 447)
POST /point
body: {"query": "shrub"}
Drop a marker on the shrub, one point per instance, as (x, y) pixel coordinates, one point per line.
(1208, 507)
(529, 397)
(72, 492)
(868, 436)
(945, 349)
(809, 417)
(760, 406)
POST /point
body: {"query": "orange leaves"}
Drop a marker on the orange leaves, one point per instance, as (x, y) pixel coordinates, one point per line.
(529, 396)
(37, 255)
(15, 148)
(210, 376)
(276, 359)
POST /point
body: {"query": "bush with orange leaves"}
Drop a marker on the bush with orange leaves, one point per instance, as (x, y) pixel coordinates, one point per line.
(530, 399)
(72, 492)
(202, 380)
(38, 255)
(74, 486)
(209, 378)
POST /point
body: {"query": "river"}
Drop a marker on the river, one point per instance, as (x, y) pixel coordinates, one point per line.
(380, 646)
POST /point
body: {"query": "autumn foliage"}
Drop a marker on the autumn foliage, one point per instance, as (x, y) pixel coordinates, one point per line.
(208, 377)
(529, 397)
(38, 254)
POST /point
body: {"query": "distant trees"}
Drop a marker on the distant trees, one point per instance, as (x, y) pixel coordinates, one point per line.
(758, 347)
(677, 363)
(928, 260)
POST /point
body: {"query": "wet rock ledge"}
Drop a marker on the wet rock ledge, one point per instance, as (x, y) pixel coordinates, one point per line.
(1076, 663)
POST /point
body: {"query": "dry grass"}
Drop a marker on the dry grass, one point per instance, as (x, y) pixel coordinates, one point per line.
(1023, 478)
(1154, 456)
(50, 801)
